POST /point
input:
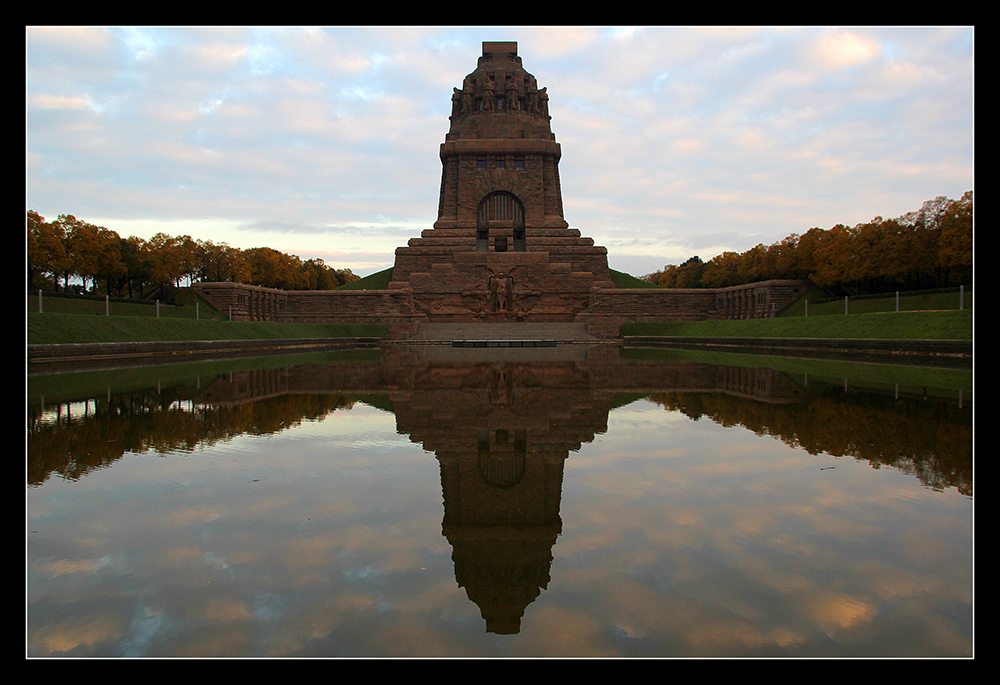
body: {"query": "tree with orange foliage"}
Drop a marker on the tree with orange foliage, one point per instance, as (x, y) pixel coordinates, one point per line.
(46, 249)
(955, 241)
(722, 271)
(931, 247)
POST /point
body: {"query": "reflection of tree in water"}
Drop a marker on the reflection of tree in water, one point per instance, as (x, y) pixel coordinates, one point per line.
(71, 445)
(930, 439)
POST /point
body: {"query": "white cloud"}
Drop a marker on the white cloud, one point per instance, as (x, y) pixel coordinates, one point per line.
(839, 49)
(682, 140)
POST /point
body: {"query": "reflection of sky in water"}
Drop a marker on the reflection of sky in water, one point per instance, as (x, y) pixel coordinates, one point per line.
(729, 541)
(679, 537)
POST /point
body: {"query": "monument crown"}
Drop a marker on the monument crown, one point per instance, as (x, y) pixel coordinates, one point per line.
(500, 86)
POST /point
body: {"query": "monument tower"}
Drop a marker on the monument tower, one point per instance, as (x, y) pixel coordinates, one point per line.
(501, 248)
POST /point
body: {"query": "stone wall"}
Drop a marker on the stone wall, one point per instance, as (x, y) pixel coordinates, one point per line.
(610, 308)
(757, 300)
(460, 290)
(348, 306)
(252, 303)
(241, 302)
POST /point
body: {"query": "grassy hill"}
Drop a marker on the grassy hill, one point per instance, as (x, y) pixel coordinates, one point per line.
(376, 281)
(624, 280)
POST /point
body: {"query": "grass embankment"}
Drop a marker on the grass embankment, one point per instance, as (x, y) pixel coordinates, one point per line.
(77, 320)
(929, 315)
(79, 328)
(933, 325)
(920, 301)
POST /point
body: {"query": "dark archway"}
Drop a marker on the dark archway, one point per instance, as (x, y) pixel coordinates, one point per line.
(502, 210)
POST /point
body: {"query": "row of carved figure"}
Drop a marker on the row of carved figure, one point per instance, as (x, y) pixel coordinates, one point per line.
(535, 102)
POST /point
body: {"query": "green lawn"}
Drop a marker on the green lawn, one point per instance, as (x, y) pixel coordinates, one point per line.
(84, 320)
(79, 320)
(934, 325)
(55, 328)
(908, 302)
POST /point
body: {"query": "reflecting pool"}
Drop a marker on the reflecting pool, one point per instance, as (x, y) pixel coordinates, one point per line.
(566, 502)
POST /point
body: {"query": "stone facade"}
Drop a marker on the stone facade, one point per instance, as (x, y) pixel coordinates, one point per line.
(500, 212)
(501, 249)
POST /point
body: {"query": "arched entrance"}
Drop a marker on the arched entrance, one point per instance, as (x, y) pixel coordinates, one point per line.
(504, 211)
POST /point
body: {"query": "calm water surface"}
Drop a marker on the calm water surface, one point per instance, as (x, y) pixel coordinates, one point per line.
(429, 502)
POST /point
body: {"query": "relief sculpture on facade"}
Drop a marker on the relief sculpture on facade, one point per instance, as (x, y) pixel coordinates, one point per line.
(501, 290)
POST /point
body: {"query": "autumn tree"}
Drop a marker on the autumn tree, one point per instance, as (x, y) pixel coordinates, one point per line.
(270, 268)
(754, 266)
(174, 258)
(955, 240)
(62, 226)
(345, 276)
(690, 272)
(46, 253)
(138, 266)
(219, 262)
(784, 258)
(91, 251)
(833, 255)
(318, 276)
(722, 271)
(931, 247)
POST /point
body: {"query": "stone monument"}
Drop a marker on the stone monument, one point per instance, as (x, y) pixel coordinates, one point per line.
(500, 249)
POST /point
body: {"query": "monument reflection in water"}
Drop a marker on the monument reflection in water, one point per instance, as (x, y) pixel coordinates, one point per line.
(501, 427)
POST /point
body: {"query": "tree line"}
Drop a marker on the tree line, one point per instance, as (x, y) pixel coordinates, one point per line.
(69, 248)
(927, 248)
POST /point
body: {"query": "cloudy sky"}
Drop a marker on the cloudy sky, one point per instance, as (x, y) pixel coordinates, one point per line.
(323, 142)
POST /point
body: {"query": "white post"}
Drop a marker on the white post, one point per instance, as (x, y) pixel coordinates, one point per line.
(107, 305)
(961, 299)
(845, 304)
(157, 309)
(39, 300)
(897, 301)
(196, 315)
(807, 307)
